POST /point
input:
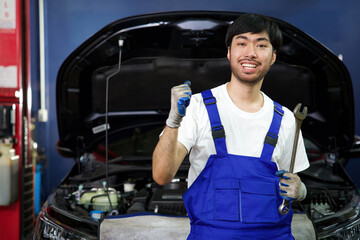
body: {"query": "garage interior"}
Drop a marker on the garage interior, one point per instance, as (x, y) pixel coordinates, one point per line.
(36, 36)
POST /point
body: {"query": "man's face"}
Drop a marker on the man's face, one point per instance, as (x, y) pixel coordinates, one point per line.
(250, 57)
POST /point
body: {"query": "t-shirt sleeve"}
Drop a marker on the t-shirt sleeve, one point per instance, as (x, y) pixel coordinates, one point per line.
(301, 159)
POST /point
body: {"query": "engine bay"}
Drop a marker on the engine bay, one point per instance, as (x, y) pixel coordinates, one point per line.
(131, 190)
(132, 196)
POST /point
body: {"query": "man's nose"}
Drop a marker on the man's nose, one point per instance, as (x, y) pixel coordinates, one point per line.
(251, 51)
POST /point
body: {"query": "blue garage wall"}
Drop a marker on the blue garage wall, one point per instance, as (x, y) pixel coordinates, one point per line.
(68, 23)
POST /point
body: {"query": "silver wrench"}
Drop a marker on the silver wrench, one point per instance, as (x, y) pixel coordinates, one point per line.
(299, 116)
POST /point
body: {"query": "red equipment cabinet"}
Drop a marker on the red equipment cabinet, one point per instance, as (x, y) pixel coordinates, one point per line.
(17, 170)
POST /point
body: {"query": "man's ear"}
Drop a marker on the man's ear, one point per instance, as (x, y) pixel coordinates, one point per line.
(273, 57)
(228, 53)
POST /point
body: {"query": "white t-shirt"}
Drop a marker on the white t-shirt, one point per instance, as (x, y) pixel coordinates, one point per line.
(245, 133)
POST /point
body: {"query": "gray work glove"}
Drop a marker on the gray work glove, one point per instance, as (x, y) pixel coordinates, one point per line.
(180, 99)
(291, 187)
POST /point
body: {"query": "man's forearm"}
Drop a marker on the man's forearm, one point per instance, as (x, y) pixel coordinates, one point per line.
(166, 156)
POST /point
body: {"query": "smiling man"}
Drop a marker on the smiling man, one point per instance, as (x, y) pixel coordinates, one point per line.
(254, 53)
(238, 141)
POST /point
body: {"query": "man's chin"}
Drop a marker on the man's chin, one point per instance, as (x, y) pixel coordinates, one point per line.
(250, 81)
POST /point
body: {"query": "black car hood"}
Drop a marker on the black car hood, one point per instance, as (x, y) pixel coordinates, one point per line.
(165, 49)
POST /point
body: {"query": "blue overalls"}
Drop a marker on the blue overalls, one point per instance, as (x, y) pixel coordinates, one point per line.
(237, 197)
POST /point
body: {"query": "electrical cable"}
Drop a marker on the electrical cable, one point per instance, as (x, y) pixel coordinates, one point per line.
(121, 43)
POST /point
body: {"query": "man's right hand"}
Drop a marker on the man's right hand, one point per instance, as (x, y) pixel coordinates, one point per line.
(180, 100)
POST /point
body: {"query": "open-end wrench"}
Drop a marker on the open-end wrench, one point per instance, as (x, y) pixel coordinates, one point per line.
(299, 116)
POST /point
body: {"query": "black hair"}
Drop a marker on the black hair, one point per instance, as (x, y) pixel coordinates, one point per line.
(254, 23)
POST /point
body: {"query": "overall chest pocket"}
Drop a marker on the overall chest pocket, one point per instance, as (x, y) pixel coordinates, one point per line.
(249, 201)
(259, 201)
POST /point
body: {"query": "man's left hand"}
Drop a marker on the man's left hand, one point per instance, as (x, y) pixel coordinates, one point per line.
(290, 186)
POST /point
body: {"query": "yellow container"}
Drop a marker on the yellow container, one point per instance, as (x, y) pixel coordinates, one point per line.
(98, 200)
(102, 202)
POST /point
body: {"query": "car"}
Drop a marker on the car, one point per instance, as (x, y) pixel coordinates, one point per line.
(113, 97)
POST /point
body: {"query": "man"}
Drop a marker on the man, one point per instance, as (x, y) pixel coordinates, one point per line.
(239, 140)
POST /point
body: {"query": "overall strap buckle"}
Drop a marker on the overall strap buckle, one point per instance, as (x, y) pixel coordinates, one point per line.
(218, 132)
(271, 139)
(209, 101)
(278, 109)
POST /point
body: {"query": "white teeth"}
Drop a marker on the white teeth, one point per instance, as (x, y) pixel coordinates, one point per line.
(248, 65)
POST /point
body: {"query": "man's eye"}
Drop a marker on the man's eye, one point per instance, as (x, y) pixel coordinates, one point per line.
(262, 45)
(241, 44)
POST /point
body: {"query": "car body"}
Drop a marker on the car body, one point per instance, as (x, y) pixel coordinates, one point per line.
(121, 78)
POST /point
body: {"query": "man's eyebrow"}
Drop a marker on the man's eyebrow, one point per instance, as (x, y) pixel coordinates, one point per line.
(258, 39)
(262, 39)
(243, 37)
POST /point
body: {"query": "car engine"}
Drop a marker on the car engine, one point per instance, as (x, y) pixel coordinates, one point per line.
(85, 193)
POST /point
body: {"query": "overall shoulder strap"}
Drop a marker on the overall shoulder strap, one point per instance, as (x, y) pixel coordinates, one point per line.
(217, 128)
(272, 135)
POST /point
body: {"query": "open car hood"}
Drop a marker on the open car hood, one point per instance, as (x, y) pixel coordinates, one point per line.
(165, 49)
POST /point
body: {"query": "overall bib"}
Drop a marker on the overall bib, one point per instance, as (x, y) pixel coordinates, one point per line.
(237, 197)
